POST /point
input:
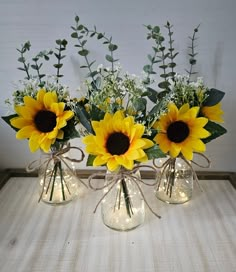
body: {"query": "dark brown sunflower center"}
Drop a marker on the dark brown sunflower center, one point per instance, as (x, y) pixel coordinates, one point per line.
(45, 121)
(177, 132)
(117, 143)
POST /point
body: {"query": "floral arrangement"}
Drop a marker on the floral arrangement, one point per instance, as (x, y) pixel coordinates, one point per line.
(184, 116)
(187, 113)
(115, 104)
(115, 114)
(43, 110)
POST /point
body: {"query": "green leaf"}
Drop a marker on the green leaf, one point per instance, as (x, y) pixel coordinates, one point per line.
(22, 69)
(112, 47)
(156, 29)
(58, 66)
(83, 117)
(164, 84)
(148, 69)
(74, 35)
(152, 95)
(69, 131)
(140, 104)
(216, 131)
(83, 52)
(164, 75)
(8, 118)
(35, 67)
(90, 160)
(96, 113)
(154, 152)
(172, 64)
(92, 74)
(21, 59)
(192, 61)
(100, 36)
(109, 58)
(77, 18)
(214, 97)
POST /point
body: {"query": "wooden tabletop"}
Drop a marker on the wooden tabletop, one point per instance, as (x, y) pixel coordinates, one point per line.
(199, 235)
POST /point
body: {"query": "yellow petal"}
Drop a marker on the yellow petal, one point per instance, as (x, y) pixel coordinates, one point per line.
(112, 164)
(25, 132)
(49, 99)
(40, 95)
(19, 122)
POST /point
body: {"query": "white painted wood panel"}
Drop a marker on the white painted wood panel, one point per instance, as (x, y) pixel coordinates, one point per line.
(196, 236)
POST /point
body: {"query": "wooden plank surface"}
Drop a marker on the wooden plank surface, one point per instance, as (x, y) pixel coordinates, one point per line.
(195, 236)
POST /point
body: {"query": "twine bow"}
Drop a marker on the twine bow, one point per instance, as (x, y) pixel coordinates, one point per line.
(115, 178)
(171, 164)
(56, 156)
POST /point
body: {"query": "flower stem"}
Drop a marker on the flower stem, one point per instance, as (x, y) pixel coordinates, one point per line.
(128, 202)
(61, 177)
(54, 173)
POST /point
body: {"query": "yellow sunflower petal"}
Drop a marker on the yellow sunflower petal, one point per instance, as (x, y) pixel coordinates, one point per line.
(49, 99)
(25, 132)
(112, 164)
(20, 122)
(175, 150)
(40, 95)
(213, 113)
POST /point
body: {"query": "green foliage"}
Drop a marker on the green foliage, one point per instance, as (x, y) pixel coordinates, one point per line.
(192, 54)
(42, 55)
(59, 49)
(8, 118)
(70, 131)
(81, 33)
(154, 152)
(24, 48)
(161, 55)
(214, 96)
(83, 117)
(216, 131)
(90, 160)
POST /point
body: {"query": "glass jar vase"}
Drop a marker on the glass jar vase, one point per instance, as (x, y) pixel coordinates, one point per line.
(174, 181)
(123, 206)
(58, 183)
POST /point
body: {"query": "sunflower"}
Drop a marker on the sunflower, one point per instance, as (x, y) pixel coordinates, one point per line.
(117, 142)
(41, 120)
(180, 131)
(213, 113)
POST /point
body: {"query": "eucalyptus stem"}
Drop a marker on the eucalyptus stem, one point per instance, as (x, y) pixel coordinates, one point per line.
(192, 54)
(37, 69)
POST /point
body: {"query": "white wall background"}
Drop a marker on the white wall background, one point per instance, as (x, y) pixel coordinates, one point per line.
(44, 21)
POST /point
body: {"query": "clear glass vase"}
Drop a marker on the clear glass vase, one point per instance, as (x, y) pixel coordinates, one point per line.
(175, 181)
(123, 207)
(58, 183)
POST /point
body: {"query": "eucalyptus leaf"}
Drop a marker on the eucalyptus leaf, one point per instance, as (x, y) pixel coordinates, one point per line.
(109, 58)
(83, 52)
(152, 95)
(140, 104)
